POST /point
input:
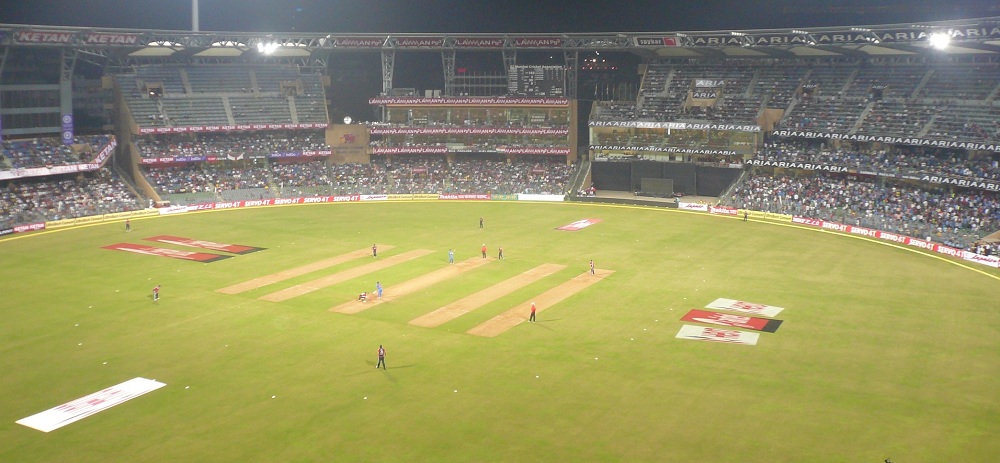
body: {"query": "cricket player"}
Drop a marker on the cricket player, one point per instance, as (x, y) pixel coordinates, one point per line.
(381, 357)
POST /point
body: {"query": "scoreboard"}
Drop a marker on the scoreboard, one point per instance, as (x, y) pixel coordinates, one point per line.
(542, 81)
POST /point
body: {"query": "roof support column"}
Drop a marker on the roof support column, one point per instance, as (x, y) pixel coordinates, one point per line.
(67, 63)
(571, 57)
(448, 61)
(388, 61)
(509, 58)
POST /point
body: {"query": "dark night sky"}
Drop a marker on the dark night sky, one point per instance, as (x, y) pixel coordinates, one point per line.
(457, 16)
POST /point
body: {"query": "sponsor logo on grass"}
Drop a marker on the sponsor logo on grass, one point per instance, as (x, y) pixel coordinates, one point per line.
(705, 333)
(735, 321)
(745, 307)
(233, 248)
(163, 252)
(579, 224)
(71, 412)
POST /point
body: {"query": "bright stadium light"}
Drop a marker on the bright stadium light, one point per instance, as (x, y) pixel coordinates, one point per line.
(267, 48)
(939, 40)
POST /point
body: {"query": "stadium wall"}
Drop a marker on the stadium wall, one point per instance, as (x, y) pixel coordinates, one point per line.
(712, 181)
(689, 179)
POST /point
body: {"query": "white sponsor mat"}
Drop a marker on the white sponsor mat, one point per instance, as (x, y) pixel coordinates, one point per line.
(70, 412)
(745, 307)
(707, 333)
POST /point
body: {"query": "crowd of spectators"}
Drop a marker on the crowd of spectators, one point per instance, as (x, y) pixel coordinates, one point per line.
(358, 178)
(403, 175)
(824, 115)
(247, 144)
(39, 199)
(49, 151)
(959, 219)
(614, 111)
(240, 178)
(966, 123)
(299, 174)
(903, 160)
(188, 178)
(952, 102)
(531, 176)
(414, 174)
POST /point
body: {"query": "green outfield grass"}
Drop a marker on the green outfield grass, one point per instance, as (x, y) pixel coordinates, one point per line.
(884, 351)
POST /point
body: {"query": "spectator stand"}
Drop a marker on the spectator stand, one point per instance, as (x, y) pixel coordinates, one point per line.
(40, 199)
(960, 218)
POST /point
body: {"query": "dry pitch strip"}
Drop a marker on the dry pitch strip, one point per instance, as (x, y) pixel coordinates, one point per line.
(495, 326)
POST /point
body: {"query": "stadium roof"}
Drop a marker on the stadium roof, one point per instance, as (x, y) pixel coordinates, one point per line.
(970, 36)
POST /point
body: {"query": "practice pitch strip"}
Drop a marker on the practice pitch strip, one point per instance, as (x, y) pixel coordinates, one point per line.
(493, 327)
(298, 271)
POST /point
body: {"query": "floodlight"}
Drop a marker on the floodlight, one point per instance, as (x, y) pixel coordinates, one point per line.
(939, 40)
(267, 48)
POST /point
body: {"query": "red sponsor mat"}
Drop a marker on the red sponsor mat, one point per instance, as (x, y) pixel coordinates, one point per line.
(181, 241)
(735, 321)
(162, 252)
(579, 224)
